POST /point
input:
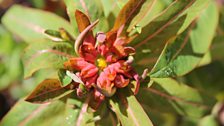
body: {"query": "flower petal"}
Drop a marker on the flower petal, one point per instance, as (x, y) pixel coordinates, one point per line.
(89, 70)
(137, 79)
(101, 37)
(120, 81)
(76, 63)
(89, 82)
(118, 47)
(88, 52)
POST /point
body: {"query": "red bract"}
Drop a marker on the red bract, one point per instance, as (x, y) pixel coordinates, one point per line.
(103, 63)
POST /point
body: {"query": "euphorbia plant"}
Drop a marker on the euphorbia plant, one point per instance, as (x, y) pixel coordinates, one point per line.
(102, 63)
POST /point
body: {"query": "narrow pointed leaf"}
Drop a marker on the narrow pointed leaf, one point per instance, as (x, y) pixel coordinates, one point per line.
(82, 20)
(76, 112)
(129, 111)
(121, 3)
(169, 95)
(61, 112)
(30, 24)
(157, 7)
(46, 55)
(53, 35)
(110, 7)
(145, 9)
(109, 119)
(161, 30)
(64, 79)
(73, 111)
(28, 114)
(189, 48)
(47, 91)
(129, 11)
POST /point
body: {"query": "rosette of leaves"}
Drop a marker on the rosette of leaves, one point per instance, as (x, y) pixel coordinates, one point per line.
(170, 39)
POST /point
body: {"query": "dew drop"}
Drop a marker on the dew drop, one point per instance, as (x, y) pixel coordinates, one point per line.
(168, 71)
(69, 119)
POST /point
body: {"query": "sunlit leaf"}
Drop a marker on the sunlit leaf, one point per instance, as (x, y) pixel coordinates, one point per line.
(145, 9)
(46, 55)
(131, 11)
(162, 29)
(77, 114)
(30, 24)
(110, 7)
(189, 48)
(64, 78)
(29, 114)
(129, 111)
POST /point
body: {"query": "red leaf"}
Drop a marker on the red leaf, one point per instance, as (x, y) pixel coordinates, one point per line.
(127, 13)
(82, 20)
(47, 91)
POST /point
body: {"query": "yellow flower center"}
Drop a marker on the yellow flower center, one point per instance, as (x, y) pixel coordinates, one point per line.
(101, 63)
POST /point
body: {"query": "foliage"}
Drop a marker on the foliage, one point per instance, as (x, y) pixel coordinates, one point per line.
(177, 43)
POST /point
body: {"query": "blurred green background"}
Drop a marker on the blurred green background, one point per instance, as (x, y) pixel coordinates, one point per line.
(209, 77)
(12, 84)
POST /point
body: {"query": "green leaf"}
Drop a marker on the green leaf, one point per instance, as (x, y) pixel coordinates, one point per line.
(11, 68)
(77, 114)
(158, 32)
(47, 91)
(121, 3)
(193, 12)
(164, 28)
(110, 10)
(46, 54)
(157, 7)
(30, 24)
(59, 36)
(208, 79)
(209, 120)
(189, 48)
(128, 110)
(206, 59)
(64, 78)
(130, 13)
(168, 95)
(217, 47)
(7, 44)
(93, 9)
(109, 119)
(66, 112)
(145, 9)
(53, 35)
(24, 113)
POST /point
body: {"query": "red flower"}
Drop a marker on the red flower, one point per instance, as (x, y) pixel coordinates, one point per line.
(103, 63)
